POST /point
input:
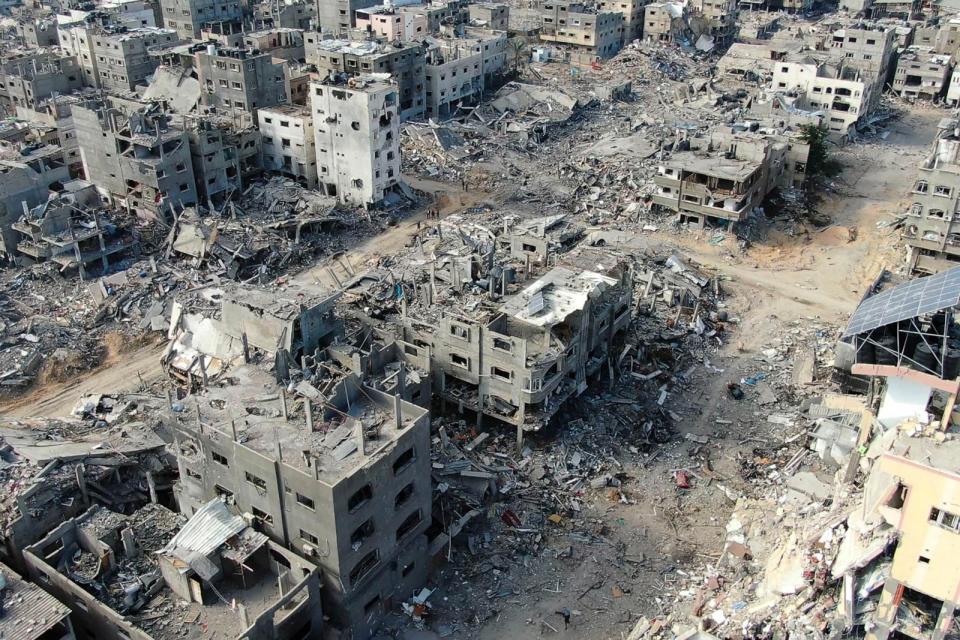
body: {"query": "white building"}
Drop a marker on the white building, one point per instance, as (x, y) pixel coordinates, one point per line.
(288, 143)
(357, 130)
(842, 92)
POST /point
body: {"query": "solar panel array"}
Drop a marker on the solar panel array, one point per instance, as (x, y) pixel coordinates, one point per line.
(907, 300)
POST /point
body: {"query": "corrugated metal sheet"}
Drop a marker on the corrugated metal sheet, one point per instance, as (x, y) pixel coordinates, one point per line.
(30, 611)
(210, 527)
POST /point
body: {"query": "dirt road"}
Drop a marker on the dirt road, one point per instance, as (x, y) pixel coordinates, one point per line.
(123, 372)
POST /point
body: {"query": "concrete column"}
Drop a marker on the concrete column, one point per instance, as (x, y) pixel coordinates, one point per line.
(129, 543)
(308, 409)
(283, 403)
(244, 618)
(82, 483)
(152, 486)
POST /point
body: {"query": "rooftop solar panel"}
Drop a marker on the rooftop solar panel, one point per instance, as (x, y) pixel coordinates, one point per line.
(905, 301)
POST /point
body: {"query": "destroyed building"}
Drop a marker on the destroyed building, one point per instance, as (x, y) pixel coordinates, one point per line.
(27, 182)
(339, 16)
(404, 62)
(224, 152)
(664, 21)
(930, 233)
(288, 144)
(357, 129)
(725, 175)
(922, 74)
(343, 479)
(717, 20)
(127, 575)
(71, 230)
(438, 13)
(122, 466)
(288, 15)
(136, 157)
(26, 78)
(598, 34)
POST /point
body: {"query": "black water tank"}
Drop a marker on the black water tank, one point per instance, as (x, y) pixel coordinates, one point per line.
(926, 358)
(887, 350)
(951, 364)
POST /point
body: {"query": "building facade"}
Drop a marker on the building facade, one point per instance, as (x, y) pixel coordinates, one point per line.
(288, 145)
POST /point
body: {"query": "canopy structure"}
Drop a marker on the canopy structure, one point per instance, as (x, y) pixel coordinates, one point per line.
(910, 325)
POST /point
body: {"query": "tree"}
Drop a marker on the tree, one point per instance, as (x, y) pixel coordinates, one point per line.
(819, 162)
(519, 47)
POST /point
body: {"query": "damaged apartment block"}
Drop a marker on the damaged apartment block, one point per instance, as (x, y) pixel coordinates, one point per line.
(136, 157)
(726, 174)
(343, 478)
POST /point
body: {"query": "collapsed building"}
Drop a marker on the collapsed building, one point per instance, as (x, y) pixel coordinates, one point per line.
(125, 576)
(27, 182)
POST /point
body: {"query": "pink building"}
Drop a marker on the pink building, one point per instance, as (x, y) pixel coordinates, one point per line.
(392, 24)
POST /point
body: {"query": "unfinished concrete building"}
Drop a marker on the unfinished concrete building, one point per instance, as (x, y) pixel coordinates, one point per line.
(28, 78)
(597, 33)
(288, 144)
(27, 182)
(404, 62)
(189, 17)
(922, 74)
(490, 15)
(931, 233)
(234, 578)
(344, 482)
(295, 14)
(280, 42)
(136, 157)
(37, 33)
(357, 128)
(460, 70)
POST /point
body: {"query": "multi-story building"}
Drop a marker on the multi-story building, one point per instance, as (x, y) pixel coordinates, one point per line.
(846, 93)
(280, 42)
(720, 17)
(234, 78)
(189, 17)
(404, 62)
(218, 155)
(392, 24)
(357, 128)
(27, 78)
(460, 70)
(357, 501)
(931, 232)
(120, 57)
(922, 74)
(37, 32)
(287, 142)
(136, 157)
(339, 16)
(571, 23)
(664, 21)
(491, 15)
(440, 13)
(727, 173)
(632, 12)
(286, 15)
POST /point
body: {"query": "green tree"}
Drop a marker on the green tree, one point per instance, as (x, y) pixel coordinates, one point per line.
(819, 162)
